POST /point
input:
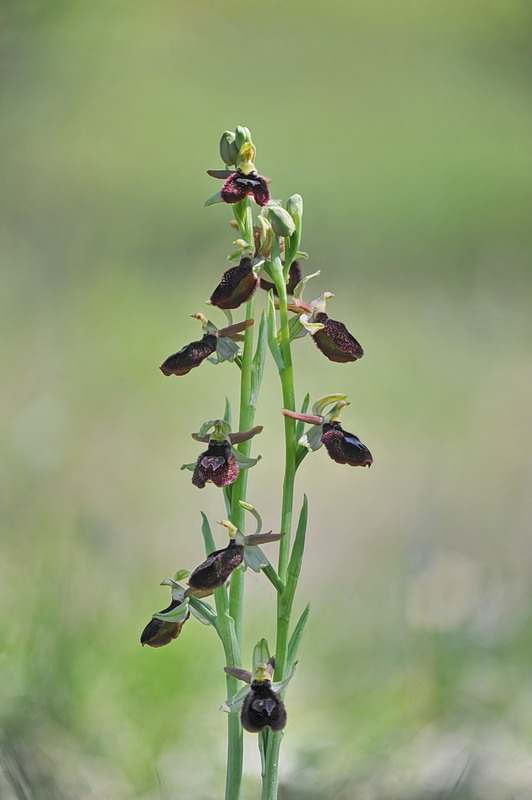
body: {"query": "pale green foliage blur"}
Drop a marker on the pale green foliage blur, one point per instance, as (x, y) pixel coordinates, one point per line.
(406, 128)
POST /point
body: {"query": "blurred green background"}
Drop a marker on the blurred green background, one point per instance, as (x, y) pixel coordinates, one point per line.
(406, 127)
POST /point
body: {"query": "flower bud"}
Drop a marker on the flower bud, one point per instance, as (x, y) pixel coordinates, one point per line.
(242, 135)
(158, 633)
(216, 465)
(335, 341)
(263, 708)
(294, 206)
(281, 221)
(228, 148)
(215, 570)
(344, 447)
(237, 286)
(190, 356)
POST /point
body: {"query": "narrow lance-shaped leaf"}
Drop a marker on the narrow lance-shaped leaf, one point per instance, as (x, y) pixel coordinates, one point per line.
(257, 365)
(296, 557)
(273, 344)
(295, 639)
(300, 426)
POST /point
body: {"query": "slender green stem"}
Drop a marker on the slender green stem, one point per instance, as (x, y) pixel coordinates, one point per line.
(236, 594)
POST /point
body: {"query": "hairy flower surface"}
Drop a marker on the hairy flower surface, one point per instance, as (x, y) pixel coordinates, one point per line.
(216, 465)
(263, 708)
(335, 341)
(215, 570)
(344, 447)
(237, 186)
(158, 633)
(237, 286)
(190, 356)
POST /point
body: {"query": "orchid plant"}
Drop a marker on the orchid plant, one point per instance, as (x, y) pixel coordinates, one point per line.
(268, 255)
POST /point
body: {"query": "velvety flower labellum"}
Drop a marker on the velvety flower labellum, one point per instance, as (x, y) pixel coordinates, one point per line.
(335, 341)
(215, 570)
(216, 465)
(295, 274)
(263, 708)
(192, 355)
(236, 287)
(344, 447)
(158, 633)
(238, 185)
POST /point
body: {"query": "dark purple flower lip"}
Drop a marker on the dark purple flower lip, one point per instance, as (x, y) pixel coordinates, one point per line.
(215, 570)
(335, 341)
(193, 354)
(237, 286)
(295, 275)
(237, 185)
(263, 708)
(216, 465)
(158, 633)
(344, 447)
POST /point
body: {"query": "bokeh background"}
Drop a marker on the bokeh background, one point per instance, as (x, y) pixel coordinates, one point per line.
(406, 127)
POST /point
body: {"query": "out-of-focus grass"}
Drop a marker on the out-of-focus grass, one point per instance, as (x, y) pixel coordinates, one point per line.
(406, 128)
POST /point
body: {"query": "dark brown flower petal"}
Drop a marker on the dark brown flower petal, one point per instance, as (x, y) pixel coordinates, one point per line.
(190, 356)
(335, 341)
(237, 186)
(237, 286)
(158, 633)
(216, 465)
(263, 708)
(344, 447)
(215, 570)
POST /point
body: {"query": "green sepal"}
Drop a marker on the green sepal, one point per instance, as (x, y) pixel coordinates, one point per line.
(181, 574)
(328, 400)
(312, 438)
(261, 654)
(206, 617)
(245, 462)
(177, 614)
(236, 702)
(296, 329)
(215, 198)
(228, 414)
(300, 287)
(295, 639)
(254, 558)
(191, 467)
(280, 686)
(226, 350)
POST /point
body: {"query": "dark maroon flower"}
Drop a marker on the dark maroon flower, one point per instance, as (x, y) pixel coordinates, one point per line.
(344, 447)
(263, 708)
(335, 341)
(237, 185)
(190, 356)
(216, 465)
(295, 274)
(215, 570)
(237, 286)
(158, 633)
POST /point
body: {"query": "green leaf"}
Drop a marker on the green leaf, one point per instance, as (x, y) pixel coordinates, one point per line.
(295, 639)
(261, 654)
(300, 426)
(259, 359)
(296, 558)
(301, 452)
(273, 344)
(210, 545)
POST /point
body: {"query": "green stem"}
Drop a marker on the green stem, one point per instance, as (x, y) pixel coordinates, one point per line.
(286, 373)
(236, 594)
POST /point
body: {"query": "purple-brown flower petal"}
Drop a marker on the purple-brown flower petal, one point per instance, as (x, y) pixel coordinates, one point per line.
(237, 186)
(158, 633)
(216, 465)
(237, 286)
(263, 708)
(335, 341)
(190, 356)
(215, 570)
(344, 447)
